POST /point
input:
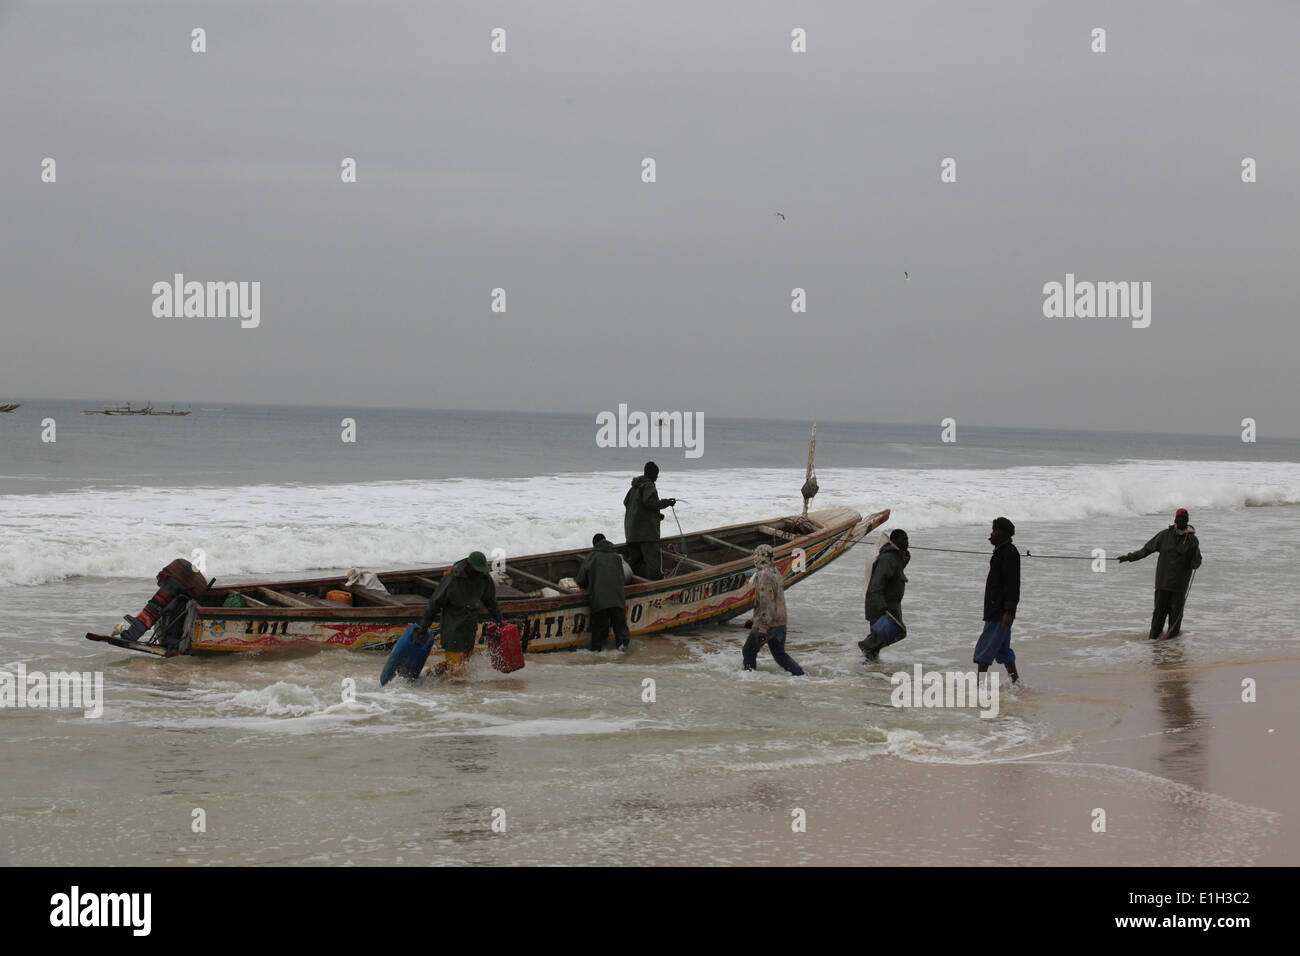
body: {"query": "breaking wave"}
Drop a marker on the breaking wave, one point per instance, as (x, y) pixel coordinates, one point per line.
(284, 529)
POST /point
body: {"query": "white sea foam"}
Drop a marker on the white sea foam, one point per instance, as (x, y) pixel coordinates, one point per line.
(549, 727)
(276, 529)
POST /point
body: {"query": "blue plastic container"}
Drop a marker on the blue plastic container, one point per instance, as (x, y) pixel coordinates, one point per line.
(407, 657)
(888, 629)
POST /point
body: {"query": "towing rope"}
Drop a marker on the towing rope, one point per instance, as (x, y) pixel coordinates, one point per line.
(1027, 553)
(682, 536)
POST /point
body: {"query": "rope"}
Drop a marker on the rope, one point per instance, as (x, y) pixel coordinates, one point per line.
(1027, 553)
(677, 567)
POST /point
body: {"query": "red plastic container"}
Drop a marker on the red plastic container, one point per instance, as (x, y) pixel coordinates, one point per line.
(504, 649)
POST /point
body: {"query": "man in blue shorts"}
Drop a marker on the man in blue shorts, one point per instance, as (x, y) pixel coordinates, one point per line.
(1001, 595)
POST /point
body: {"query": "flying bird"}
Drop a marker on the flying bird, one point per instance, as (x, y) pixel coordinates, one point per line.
(906, 276)
(782, 215)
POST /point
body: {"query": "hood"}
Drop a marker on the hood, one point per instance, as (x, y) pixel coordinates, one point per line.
(890, 546)
(605, 545)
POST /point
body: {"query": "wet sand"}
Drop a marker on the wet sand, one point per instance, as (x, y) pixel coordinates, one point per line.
(1186, 773)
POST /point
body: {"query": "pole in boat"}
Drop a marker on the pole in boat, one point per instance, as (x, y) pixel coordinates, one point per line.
(802, 524)
(810, 487)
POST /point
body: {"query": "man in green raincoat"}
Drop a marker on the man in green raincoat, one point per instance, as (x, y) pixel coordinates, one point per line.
(642, 506)
(1180, 555)
(463, 593)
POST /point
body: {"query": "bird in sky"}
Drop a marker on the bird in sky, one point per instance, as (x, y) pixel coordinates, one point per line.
(906, 276)
(782, 215)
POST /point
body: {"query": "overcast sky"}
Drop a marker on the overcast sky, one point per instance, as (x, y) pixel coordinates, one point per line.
(522, 170)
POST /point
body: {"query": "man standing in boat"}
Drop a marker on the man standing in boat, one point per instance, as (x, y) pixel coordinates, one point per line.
(1180, 555)
(463, 592)
(768, 624)
(885, 595)
(1001, 596)
(601, 575)
(642, 506)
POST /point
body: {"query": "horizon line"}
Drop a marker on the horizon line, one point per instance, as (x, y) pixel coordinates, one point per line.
(569, 413)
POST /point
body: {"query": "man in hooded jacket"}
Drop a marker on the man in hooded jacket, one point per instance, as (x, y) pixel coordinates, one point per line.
(641, 517)
(461, 595)
(601, 575)
(769, 621)
(1180, 555)
(1001, 598)
(885, 591)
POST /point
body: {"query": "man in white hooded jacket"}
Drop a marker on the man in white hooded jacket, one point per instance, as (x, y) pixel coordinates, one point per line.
(768, 625)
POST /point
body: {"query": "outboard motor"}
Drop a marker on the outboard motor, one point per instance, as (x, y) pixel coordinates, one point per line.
(178, 578)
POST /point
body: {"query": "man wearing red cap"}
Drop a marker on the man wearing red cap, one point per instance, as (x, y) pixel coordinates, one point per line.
(1180, 555)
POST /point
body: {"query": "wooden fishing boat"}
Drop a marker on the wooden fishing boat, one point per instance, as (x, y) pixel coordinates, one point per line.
(10, 406)
(124, 409)
(709, 581)
(172, 412)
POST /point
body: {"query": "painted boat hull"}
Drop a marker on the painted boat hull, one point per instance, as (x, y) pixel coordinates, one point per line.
(715, 594)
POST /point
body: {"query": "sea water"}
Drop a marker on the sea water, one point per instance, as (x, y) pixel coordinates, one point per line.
(288, 765)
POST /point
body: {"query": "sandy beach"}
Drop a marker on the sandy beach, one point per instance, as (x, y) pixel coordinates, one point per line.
(1186, 773)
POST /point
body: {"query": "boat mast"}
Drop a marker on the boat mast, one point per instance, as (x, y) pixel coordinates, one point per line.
(810, 487)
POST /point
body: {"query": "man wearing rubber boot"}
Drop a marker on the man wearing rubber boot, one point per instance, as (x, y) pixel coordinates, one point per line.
(1001, 595)
(885, 595)
(461, 595)
(768, 623)
(601, 575)
(641, 517)
(1180, 555)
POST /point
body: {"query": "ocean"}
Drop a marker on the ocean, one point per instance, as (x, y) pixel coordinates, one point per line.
(567, 754)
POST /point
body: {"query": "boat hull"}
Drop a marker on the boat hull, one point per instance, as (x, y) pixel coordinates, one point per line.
(707, 595)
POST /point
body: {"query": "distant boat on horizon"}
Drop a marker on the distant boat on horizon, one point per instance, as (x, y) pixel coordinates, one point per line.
(172, 412)
(122, 409)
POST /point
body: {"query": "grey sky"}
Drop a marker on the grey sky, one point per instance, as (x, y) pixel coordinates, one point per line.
(522, 171)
